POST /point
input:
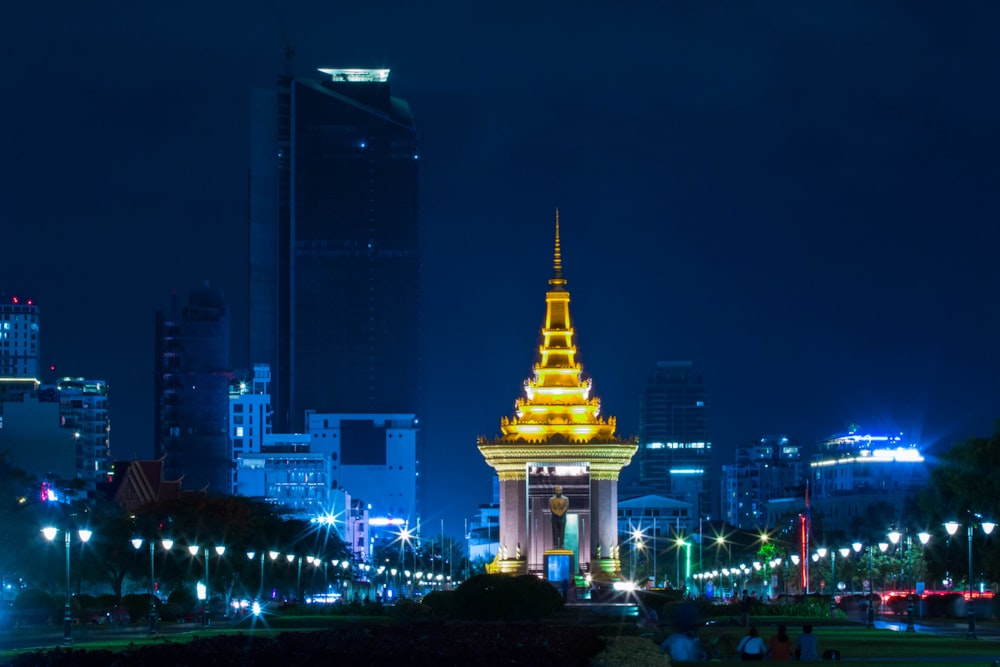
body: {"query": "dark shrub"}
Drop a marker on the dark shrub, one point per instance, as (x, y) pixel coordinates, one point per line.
(171, 611)
(34, 607)
(184, 599)
(90, 609)
(408, 610)
(136, 605)
(441, 603)
(489, 597)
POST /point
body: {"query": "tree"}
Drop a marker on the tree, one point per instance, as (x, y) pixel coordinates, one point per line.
(962, 488)
(111, 556)
(18, 518)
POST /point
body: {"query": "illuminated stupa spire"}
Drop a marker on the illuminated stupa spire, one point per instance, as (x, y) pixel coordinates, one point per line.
(557, 279)
(557, 405)
(557, 426)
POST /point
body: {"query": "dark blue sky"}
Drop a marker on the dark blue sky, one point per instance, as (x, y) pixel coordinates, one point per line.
(801, 198)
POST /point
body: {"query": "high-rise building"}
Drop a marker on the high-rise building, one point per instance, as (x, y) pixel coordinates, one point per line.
(757, 486)
(19, 340)
(191, 391)
(675, 450)
(334, 246)
(857, 475)
(373, 458)
(83, 409)
(250, 416)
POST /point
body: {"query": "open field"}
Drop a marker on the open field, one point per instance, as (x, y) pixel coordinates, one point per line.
(382, 640)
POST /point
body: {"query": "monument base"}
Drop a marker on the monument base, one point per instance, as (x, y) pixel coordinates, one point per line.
(559, 565)
(508, 566)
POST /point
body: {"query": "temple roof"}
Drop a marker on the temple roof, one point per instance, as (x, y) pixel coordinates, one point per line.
(557, 413)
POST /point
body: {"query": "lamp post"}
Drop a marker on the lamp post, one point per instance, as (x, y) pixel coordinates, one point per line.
(987, 527)
(273, 555)
(924, 538)
(167, 546)
(894, 537)
(871, 582)
(50, 533)
(882, 547)
(207, 610)
(822, 551)
(260, 586)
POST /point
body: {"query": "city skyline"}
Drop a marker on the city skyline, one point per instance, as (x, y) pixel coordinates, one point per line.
(797, 199)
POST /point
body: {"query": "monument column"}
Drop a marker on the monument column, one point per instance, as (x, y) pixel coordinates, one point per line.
(604, 493)
(513, 523)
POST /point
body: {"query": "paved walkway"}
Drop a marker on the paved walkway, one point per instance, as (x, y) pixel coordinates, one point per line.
(989, 631)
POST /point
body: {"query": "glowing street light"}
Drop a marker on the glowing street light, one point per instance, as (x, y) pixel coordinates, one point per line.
(167, 544)
(50, 532)
(204, 591)
(987, 528)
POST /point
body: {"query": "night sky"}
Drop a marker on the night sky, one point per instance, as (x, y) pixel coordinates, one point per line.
(799, 197)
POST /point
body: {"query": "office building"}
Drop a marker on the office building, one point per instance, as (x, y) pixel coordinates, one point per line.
(334, 246)
(19, 342)
(191, 392)
(373, 458)
(759, 483)
(83, 411)
(675, 448)
(856, 475)
(250, 416)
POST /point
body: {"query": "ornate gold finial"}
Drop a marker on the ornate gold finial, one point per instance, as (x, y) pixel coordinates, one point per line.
(557, 280)
(557, 264)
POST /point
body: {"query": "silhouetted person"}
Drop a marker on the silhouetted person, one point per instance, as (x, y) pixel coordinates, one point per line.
(752, 647)
(806, 646)
(780, 648)
(745, 609)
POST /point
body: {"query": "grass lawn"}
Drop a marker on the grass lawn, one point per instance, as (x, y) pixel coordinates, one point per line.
(108, 638)
(857, 645)
(863, 646)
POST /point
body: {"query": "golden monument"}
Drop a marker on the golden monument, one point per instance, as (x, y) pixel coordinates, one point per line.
(558, 443)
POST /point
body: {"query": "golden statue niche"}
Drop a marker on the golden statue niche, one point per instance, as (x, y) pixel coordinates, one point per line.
(558, 446)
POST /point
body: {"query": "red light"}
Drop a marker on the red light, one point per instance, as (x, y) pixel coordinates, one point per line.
(52, 367)
(14, 300)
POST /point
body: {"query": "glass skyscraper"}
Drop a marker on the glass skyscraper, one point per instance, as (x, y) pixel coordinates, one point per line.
(334, 246)
(675, 450)
(191, 391)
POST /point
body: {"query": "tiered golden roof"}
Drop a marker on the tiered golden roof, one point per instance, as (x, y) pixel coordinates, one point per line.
(557, 420)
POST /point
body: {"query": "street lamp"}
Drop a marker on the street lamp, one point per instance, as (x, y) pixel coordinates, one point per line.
(167, 546)
(987, 528)
(50, 533)
(895, 537)
(822, 552)
(250, 556)
(857, 546)
(882, 547)
(193, 549)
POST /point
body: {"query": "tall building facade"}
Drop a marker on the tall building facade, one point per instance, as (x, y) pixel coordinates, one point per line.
(758, 485)
(675, 450)
(191, 391)
(855, 475)
(334, 246)
(83, 410)
(19, 342)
